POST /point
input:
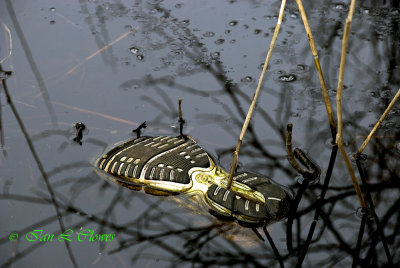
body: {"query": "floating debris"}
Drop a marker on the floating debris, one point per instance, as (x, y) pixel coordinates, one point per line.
(80, 127)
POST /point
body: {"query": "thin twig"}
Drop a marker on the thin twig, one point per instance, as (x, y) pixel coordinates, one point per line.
(101, 50)
(313, 172)
(40, 166)
(314, 52)
(10, 41)
(356, 256)
(289, 150)
(253, 103)
(274, 248)
(106, 116)
(339, 135)
(318, 209)
(391, 104)
(181, 120)
(31, 61)
(371, 210)
(292, 213)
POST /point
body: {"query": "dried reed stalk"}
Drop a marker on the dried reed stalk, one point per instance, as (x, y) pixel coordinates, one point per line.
(339, 135)
(101, 50)
(314, 52)
(391, 104)
(253, 103)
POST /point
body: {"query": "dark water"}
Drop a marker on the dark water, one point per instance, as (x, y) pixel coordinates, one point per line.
(115, 64)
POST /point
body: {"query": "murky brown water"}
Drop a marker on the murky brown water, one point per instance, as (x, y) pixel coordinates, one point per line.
(115, 64)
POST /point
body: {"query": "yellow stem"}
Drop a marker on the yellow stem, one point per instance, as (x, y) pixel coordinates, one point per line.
(378, 124)
(339, 136)
(314, 52)
(253, 103)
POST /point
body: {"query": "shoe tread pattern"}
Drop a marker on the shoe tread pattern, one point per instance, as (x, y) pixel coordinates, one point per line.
(275, 207)
(163, 158)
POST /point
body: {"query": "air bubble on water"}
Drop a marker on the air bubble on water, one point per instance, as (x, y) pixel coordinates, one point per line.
(294, 114)
(362, 158)
(134, 50)
(386, 94)
(153, 11)
(154, 2)
(52, 9)
(219, 41)
(52, 21)
(208, 34)
(300, 67)
(227, 32)
(247, 79)
(184, 23)
(328, 143)
(137, 51)
(178, 5)
(340, 6)
(287, 78)
(294, 16)
(257, 31)
(315, 93)
(374, 94)
(299, 179)
(215, 55)
(233, 23)
(360, 212)
(232, 41)
(332, 92)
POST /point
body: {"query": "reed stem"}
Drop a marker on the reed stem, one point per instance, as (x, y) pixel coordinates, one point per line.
(391, 104)
(339, 135)
(314, 52)
(253, 103)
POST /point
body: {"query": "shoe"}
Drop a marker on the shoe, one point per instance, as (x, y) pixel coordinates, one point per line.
(166, 165)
